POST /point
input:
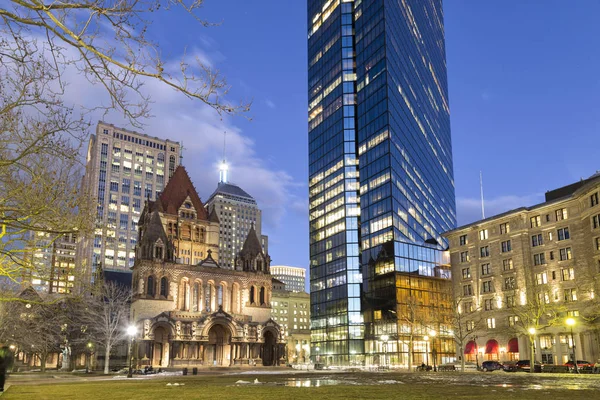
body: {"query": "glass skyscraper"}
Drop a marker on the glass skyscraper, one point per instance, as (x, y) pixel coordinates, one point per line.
(381, 180)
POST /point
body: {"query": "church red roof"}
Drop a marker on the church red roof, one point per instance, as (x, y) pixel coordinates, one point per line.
(180, 186)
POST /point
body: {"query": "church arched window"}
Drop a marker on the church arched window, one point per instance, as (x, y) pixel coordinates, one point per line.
(150, 289)
(164, 286)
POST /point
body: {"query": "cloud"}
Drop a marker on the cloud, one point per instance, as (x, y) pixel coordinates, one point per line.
(269, 103)
(469, 209)
(200, 129)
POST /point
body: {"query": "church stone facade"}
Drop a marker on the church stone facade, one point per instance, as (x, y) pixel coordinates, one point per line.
(189, 311)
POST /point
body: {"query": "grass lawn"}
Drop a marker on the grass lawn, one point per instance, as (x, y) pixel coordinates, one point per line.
(223, 387)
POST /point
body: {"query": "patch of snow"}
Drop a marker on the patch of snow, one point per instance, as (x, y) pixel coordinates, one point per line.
(241, 382)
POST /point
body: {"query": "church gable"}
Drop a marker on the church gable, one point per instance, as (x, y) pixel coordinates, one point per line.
(180, 190)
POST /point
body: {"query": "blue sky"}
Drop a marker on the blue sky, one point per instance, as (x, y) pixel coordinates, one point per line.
(524, 95)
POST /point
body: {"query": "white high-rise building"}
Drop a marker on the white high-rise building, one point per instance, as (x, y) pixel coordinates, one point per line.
(123, 169)
(237, 212)
(293, 277)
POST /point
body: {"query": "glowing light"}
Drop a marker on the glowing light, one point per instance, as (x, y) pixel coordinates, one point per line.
(131, 330)
(570, 321)
(531, 331)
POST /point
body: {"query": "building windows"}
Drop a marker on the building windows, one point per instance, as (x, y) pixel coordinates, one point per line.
(565, 254)
(507, 264)
(470, 325)
(468, 307)
(463, 240)
(488, 304)
(561, 214)
(148, 192)
(137, 188)
(539, 259)
(506, 246)
(568, 274)
(563, 234)
(543, 298)
(114, 186)
(466, 273)
(491, 323)
(537, 240)
(598, 243)
(484, 251)
(468, 290)
(485, 269)
(510, 301)
(126, 187)
(596, 221)
(504, 228)
(573, 313)
(570, 295)
(541, 278)
(594, 199)
(464, 256)
(535, 221)
(487, 287)
(512, 320)
(509, 283)
(483, 234)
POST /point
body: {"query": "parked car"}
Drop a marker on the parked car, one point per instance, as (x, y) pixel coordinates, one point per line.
(489, 366)
(581, 364)
(524, 365)
(510, 367)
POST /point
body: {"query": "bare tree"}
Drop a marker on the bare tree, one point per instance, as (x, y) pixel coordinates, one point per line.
(42, 46)
(465, 319)
(108, 315)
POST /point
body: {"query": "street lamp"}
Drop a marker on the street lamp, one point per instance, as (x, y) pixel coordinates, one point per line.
(317, 350)
(433, 350)
(426, 339)
(571, 322)
(90, 347)
(131, 331)
(476, 351)
(532, 340)
(385, 339)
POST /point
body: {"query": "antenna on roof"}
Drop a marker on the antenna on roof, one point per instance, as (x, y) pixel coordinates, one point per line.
(223, 169)
(482, 202)
(181, 153)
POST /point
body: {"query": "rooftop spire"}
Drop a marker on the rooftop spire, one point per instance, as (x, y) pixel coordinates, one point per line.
(223, 169)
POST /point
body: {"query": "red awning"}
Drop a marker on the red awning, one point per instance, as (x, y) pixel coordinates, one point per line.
(491, 347)
(513, 345)
(471, 347)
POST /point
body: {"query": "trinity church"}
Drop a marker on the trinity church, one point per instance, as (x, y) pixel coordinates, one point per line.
(189, 310)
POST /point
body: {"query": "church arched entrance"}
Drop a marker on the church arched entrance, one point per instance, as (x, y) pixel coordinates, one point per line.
(160, 350)
(268, 357)
(218, 349)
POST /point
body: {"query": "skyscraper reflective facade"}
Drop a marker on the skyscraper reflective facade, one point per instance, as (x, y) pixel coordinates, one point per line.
(380, 175)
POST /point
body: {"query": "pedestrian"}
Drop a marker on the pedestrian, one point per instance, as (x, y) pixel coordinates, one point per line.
(6, 361)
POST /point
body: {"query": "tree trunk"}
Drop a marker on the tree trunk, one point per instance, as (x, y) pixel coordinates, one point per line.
(43, 362)
(106, 360)
(462, 359)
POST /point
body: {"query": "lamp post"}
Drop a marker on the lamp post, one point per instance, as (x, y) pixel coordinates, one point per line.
(90, 350)
(433, 350)
(571, 323)
(476, 351)
(385, 339)
(532, 340)
(426, 338)
(131, 331)
(317, 350)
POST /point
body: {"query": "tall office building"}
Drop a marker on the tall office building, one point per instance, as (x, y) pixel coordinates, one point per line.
(237, 212)
(53, 263)
(293, 277)
(380, 176)
(123, 169)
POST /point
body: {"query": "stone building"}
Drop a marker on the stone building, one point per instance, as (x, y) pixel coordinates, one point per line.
(291, 310)
(188, 309)
(532, 267)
